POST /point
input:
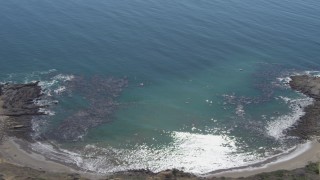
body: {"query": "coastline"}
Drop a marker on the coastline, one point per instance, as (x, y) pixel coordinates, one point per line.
(16, 162)
(13, 151)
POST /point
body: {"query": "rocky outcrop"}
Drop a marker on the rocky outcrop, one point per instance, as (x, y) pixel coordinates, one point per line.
(17, 104)
(308, 85)
(308, 125)
(18, 99)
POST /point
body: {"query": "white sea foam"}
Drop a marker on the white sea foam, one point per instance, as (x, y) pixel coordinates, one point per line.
(240, 110)
(276, 127)
(196, 153)
(44, 102)
(284, 80)
(55, 84)
(47, 111)
(47, 84)
(50, 87)
(60, 90)
(283, 157)
(48, 72)
(63, 77)
(313, 73)
(51, 152)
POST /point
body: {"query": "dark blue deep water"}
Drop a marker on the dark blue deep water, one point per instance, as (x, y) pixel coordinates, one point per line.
(207, 79)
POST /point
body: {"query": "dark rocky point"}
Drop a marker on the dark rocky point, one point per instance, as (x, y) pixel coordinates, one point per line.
(308, 125)
(17, 103)
(308, 85)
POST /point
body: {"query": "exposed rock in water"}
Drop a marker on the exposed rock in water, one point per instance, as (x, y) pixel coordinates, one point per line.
(18, 99)
(308, 125)
(308, 85)
(101, 93)
(17, 103)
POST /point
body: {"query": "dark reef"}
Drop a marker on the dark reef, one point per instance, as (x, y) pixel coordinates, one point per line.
(101, 94)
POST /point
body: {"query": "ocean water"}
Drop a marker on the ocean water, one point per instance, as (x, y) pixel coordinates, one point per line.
(207, 80)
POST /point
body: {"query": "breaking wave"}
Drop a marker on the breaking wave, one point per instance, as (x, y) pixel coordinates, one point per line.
(55, 84)
(277, 126)
(196, 153)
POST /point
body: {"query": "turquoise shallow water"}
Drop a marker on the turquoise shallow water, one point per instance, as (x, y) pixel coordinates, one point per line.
(196, 107)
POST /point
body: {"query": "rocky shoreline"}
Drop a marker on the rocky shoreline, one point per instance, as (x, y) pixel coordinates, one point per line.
(308, 126)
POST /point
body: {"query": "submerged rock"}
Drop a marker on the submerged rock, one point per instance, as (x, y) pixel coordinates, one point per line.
(101, 93)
